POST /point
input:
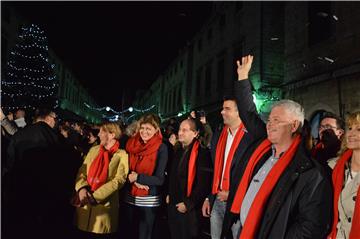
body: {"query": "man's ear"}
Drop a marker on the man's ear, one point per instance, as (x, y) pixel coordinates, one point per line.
(341, 133)
(197, 134)
(295, 125)
(47, 119)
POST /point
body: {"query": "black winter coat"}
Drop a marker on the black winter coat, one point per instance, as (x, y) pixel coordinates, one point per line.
(300, 204)
(40, 181)
(178, 178)
(239, 162)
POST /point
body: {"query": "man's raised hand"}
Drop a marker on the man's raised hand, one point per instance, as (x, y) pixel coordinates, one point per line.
(244, 67)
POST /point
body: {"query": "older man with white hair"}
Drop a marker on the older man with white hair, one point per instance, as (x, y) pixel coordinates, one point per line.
(283, 193)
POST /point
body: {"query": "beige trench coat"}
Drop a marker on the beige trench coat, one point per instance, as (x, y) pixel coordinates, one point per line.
(102, 218)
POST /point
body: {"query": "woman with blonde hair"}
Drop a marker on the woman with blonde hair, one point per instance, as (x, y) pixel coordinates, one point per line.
(346, 180)
(100, 177)
(148, 158)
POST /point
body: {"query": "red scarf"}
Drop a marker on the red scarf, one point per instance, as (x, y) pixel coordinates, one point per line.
(318, 147)
(142, 158)
(98, 171)
(256, 210)
(192, 167)
(219, 158)
(338, 182)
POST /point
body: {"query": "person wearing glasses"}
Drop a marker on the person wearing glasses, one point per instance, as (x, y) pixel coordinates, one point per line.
(346, 181)
(188, 181)
(331, 132)
(41, 176)
(39, 133)
(282, 193)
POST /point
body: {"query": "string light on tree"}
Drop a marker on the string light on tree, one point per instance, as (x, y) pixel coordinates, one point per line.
(30, 81)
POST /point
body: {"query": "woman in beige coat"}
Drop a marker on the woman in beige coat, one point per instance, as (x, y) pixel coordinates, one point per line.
(99, 179)
(346, 181)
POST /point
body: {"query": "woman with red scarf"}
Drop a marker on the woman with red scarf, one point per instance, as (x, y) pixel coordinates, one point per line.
(148, 158)
(100, 177)
(188, 182)
(346, 181)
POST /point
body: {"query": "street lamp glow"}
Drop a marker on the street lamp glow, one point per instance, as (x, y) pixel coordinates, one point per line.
(131, 109)
(179, 114)
(107, 108)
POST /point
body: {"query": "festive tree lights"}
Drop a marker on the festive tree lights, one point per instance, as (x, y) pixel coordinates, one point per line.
(30, 81)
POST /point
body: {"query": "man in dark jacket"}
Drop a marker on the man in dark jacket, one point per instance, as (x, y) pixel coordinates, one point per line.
(282, 193)
(38, 135)
(41, 174)
(189, 182)
(331, 131)
(228, 147)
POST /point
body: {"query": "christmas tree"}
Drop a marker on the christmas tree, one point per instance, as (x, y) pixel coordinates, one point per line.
(30, 81)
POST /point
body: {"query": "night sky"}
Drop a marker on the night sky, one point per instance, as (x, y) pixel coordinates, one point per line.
(116, 47)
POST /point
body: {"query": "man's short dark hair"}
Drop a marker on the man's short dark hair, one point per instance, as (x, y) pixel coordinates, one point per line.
(340, 123)
(41, 113)
(196, 125)
(230, 97)
(20, 109)
(200, 113)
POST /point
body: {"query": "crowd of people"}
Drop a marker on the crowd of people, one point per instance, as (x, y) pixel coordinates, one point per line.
(248, 179)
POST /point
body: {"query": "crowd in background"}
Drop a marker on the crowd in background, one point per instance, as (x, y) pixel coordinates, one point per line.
(248, 179)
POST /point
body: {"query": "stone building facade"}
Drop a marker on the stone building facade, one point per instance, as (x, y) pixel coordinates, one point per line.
(205, 69)
(322, 52)
(305, 51)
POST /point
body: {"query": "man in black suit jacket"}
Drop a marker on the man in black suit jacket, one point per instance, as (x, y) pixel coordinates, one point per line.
(227, 160)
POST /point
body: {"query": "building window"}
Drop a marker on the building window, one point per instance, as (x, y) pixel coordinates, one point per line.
(62, 87)
(198, 81)
(20, 31)
(167, 102)
(209, 35)
(238, 5)
(174, 99)
(208, 77)
(66, 91)
(4, 46)
(200, 45)
(169, 105)
(238, 53)
(5, 12)
(220, 74)
(222, 22)
(320, 18)
(179, 102)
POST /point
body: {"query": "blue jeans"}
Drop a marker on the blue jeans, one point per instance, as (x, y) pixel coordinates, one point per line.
(217, 218)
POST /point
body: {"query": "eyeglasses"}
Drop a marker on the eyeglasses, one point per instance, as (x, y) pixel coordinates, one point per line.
(186, 130)
(276, 122)
(327, 126)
